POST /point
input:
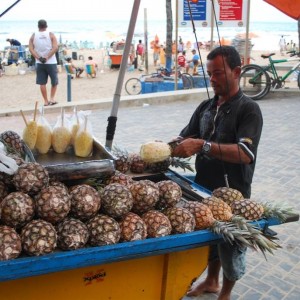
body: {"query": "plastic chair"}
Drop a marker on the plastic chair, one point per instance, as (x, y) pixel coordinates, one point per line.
(70, 70)
(90, 71)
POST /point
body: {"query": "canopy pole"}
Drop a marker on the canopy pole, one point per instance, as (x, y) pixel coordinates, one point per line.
(146, 41)
(246, 54)
(112, 120)
(9, 8)
(212, 21)
(176, 53)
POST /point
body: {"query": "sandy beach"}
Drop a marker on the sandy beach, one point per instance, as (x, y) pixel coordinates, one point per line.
(20, 91)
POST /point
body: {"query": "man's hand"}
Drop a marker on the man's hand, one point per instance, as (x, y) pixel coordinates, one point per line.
(188, 147)
(42, 60)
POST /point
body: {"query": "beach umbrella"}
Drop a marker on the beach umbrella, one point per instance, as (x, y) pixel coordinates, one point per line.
(112, 120)
(290, 8)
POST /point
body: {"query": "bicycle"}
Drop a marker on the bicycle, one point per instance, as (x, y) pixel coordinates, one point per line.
(256, 81)
(133, 86)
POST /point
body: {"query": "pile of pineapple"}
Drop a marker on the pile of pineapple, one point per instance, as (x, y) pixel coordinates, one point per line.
(39, 215)
(139, 162)
(76, 133)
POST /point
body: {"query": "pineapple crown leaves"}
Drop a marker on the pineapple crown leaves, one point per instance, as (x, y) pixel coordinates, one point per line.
(184, 164)
(281, 211)
(245, 234)
(119, 151)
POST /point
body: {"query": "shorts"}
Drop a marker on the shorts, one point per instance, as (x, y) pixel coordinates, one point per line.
(155, 56)
(45, 70)
(232, 258)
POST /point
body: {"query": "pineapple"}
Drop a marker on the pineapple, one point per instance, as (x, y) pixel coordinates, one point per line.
(153, 152)
(137, 164)
(53, 204)
(61, 134)
(242, 233)
(44, 138)
(30, 134)
(116, 200)
(157, 223)
(3, 190)
(203, 215)
(181, 219)
(61, 138)
(161, 166)
(83, 143)
(38, 237)
(85, 202)
(13, 142)
(31, 178)
(103, 230)
(133, 228)
(220, 209)
(227, 194)
(122, 160)
(17, 209)
(53, 182)
(247, 208)
(120, 178)
(10, 243)
(169, 194)
(72, 234)
(19, 160)
(145, 196)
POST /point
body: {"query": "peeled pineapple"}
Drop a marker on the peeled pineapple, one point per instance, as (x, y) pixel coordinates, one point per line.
(61, 135)
(30, 131)
(83, 143)
(155, 152)
(30, 134)
(44, 135)
(43, 142)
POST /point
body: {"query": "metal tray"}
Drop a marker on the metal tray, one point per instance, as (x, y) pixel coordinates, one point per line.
(68, 166)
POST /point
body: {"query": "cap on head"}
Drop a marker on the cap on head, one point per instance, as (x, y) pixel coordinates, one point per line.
(42, 24)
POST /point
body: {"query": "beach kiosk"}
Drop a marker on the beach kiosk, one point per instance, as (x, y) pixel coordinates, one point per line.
(116, 53)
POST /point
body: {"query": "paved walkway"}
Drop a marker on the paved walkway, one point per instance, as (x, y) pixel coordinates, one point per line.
(277, 178)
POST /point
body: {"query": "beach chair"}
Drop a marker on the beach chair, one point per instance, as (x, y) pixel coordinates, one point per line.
(90, 71)
(70, 70)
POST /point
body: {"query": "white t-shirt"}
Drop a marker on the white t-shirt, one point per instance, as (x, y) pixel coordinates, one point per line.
(43, 45)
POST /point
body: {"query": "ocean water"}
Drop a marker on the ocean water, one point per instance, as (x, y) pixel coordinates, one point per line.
(99, 34)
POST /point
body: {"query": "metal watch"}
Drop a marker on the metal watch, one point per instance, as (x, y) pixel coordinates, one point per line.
(206, 147)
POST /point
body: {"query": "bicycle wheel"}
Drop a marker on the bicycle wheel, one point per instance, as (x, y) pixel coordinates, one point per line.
(255, 82)
(133, 86)
(187, 81)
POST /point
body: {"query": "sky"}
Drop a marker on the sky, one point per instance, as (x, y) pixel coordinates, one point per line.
(112, 9)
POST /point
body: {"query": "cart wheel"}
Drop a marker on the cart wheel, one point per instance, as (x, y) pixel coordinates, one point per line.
(133, 86)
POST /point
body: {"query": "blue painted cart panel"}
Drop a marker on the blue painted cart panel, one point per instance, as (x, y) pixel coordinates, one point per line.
(59, 261)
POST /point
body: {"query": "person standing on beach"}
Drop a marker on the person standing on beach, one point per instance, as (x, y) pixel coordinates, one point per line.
(156, 52)
(226, 131)
(43, 46)
(140, 52)
(282, 45)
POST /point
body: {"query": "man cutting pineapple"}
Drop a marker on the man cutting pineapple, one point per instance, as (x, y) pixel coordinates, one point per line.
(226, 131)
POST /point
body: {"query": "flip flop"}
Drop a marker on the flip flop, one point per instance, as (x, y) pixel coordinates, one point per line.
(47, 104)
(52, 103)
